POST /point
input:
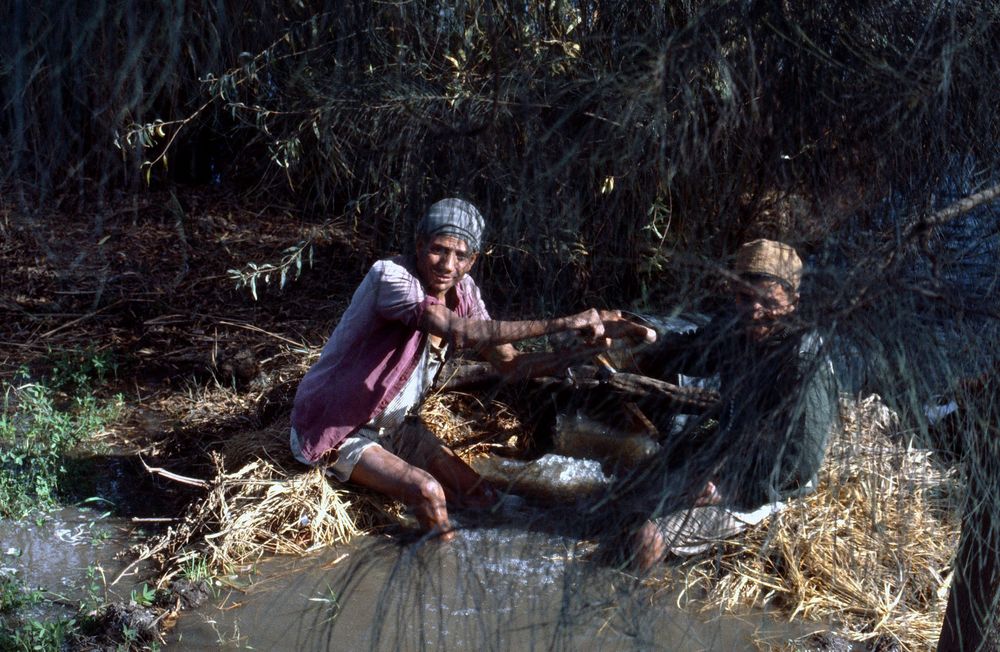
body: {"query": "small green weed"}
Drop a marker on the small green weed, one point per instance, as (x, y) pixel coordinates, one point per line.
(19, 634)
(144, 596)
(35, 435)
(77, 371)
(332, 602)
(36, 635)
(130, 639)
(196, 569)
(14, 595)
(96, 588)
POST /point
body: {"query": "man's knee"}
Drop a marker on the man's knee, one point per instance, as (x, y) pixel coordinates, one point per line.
(417, 444)
(648, 546)
(427, 490)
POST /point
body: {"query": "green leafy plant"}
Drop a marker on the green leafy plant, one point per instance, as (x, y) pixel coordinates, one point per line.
(196, 569)
(77, 371)
(35, 435)
(291, 261)
(144, 596)
(18, 633)
(14, 595)
(95, 588)
(36, 635)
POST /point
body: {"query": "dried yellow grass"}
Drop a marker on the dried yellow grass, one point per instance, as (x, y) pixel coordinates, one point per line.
(258, 510)
(870, 551)
(471, 427)
(261, 501)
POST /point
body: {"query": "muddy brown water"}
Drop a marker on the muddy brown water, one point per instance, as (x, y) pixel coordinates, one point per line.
(471, 594)
(519, 579)
(73, 554)
(524, 578)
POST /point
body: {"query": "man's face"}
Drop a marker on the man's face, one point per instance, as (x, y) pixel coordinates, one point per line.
(762, 304)
(442, 261)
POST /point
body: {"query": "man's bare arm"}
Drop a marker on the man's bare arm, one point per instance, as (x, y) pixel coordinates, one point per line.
(463, 333)
(517, 365)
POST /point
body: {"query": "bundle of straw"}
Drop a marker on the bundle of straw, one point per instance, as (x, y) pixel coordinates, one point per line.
(870, 551)
(261, 501)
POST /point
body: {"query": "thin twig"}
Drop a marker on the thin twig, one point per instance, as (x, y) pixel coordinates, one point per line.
(257, 329)
(194, 482)
(75, 321)
(962, 206)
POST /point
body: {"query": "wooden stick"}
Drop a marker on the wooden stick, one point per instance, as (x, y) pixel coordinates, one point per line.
(644, 386)
(194, 482)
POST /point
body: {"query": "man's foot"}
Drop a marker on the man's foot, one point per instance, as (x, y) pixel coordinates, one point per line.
(709, 496)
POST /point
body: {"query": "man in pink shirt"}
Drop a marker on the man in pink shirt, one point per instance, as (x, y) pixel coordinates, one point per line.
(353, 409)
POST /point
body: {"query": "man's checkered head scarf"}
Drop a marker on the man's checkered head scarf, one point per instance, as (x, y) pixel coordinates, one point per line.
(770, 258)
(454, 217)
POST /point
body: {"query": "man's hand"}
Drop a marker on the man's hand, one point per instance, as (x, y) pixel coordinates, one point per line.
(618, 327)
(589, 325)
(600, 327)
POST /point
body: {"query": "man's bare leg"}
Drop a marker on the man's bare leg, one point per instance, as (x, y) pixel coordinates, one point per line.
(648, 543)
(648, 547)
(381, 471)
(461, 484)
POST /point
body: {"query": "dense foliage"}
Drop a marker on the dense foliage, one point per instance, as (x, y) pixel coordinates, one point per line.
(603, 139)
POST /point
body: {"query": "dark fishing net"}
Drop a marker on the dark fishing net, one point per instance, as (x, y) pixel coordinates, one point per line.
(621, 152)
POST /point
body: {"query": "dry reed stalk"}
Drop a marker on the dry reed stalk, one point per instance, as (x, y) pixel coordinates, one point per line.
(259, 510)
(261, 501)
(869, 551)
(470, 427)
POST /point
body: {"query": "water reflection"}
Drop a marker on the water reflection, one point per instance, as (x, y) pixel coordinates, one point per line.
(67, 552)
(495, 587)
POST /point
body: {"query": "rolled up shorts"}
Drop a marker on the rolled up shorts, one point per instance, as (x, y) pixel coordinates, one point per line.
(693, 531)
(412, 442)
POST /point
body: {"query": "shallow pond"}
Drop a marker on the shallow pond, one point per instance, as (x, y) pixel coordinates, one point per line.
(70, 553)
(527, 576)
(496, 587)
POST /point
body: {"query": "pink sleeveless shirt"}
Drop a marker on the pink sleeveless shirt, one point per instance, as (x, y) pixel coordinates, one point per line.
(370, 355)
